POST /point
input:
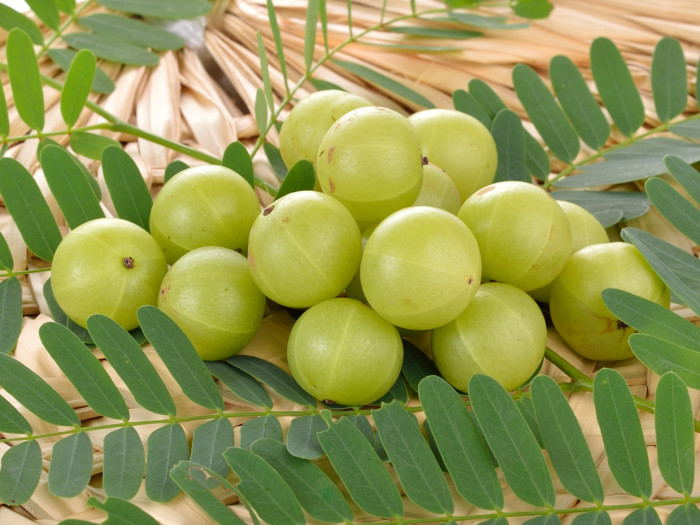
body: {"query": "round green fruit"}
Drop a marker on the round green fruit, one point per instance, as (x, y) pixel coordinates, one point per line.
(107, 266)
(460, 145)
(341, 351)
(203, 206)
(502, 333)
(304, 248)
(210, 294)
(438, 190)
(308, 121)
(420, 268)
(370, 160)
(523, 234)
(576, 305)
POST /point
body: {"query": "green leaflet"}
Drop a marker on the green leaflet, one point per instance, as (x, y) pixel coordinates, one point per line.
(131, 30)
(129, 361)
(486, 22)
(70, 187)
(34, 393)
(609, 207)
(434, 32)
(127, 188)
(7, 262)
(398, 391)
(188, 477)
(487, 98)
(616, 86)
(675, 435)
(310, 32)
(663, 356)
(509, 135)
(59, 316)
(121, 512)
(209, 440)
(265, 73)
(20, 471)
(360, 469)
(593, 518)
(173, 168)
(10, 313)
(300, 177)
(678, 269)
(237, 158)
(274, 377)
(112, 49)
(318, 495)
(172, 9)
(25, 81)
(273, 154)
(533, 9)
(686, 128)
(675, 207)
(687, 514)
(416, 466)
(124, 461)
(240, 383)
(685, 174)
(70, 468)
(460, 443)
(546, 115)
(416, 365)
(260, 112)
(578, 102)
(264, 488)
(179, 355)
(91, 145)
(466, 103)
(166, 446)
(302, 436)
(564, 441)
(102, 83)
(67, 6)
(46, 11)
(622, 433)
(384, 82)
(643, 516)
(4, 115)
(11, 420)
(261, 427)
(277, 36)
(77, 86)
(537, 158)
(10, 19)
(84, 370)
(668, 79)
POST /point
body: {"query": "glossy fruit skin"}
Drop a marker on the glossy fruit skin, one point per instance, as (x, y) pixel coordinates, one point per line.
(502, 333)
(370, 160)
(438, 190)
(308, 121)
(586, 229)
(577, 308)
(107, 266)
(304, 248)
(420, 268)
(203, 206)
(210, 294)
(523, 234)
(341, 351)
(459, 144)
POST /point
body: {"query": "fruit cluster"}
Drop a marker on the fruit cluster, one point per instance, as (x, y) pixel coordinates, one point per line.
(405, 232)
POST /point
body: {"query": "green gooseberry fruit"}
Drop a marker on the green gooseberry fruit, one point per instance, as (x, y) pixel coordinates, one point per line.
(308, 121)
(502, 333)
(210, 294)
(576, 305)
(438, 190)
(203, 205)
(370, 160)
(304, 248)
(460, 145)
(420, 268)
(523, 234)
(107, 266)
(341, 351)
(586, 229)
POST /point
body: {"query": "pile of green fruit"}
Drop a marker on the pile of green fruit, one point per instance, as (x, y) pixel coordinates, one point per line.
(406, 232)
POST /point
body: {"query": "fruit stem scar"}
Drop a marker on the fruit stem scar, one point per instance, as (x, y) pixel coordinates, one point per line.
(268, 210)
(424, 160)
(128, 262)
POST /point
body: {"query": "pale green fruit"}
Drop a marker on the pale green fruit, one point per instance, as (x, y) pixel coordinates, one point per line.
(420, 268)
(107, 266)
(586, 229)
(438, 190)
(502, 333)
(304, 248)
(523, 234)
(341, 351)
(308, 121)
(210, 294)
(203, 206)
(577, 308)
(460, 145)
(370, 160)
